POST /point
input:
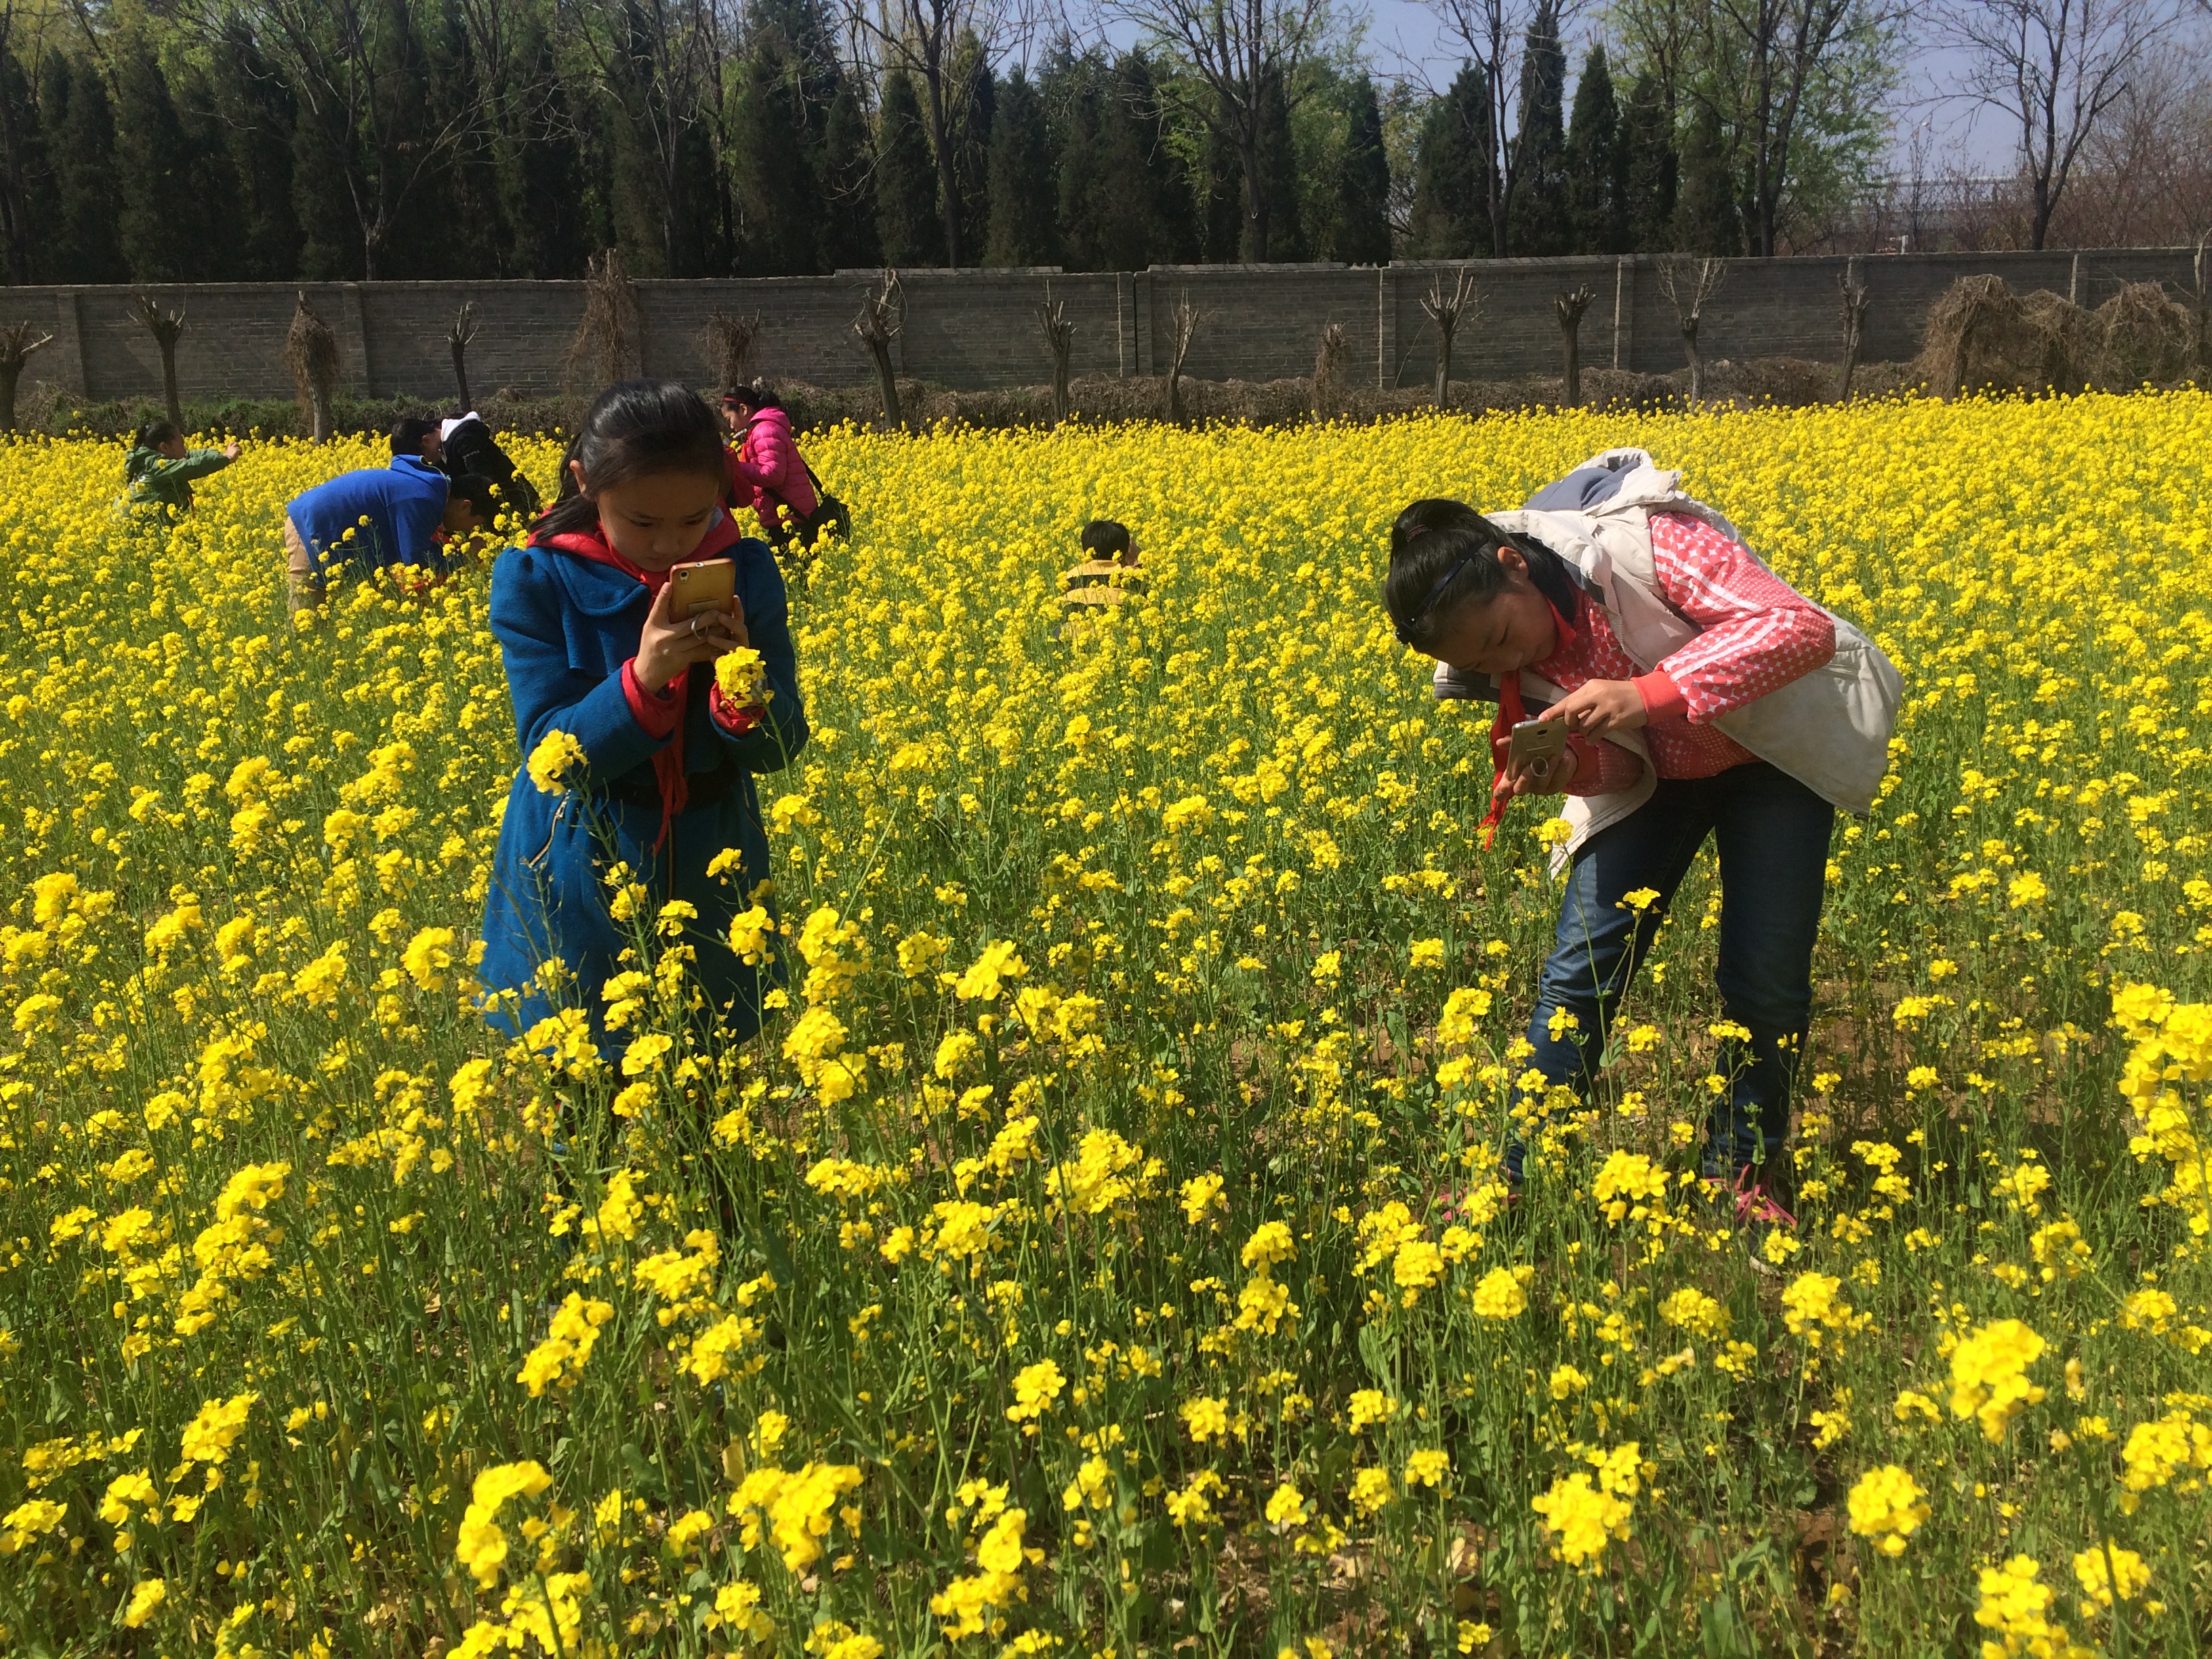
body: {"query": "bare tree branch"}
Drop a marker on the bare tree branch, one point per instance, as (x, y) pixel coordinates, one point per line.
(2051, 69)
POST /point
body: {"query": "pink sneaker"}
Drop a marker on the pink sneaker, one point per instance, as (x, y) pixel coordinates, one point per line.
(1753, 1204)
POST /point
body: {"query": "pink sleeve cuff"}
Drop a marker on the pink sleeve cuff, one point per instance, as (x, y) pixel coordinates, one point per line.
(656, 712)
(1662, 698)
(732, 718)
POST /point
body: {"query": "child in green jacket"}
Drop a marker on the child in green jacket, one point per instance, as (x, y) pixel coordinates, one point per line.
(160, 470)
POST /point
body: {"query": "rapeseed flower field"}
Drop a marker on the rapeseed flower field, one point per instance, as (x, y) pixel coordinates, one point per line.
(1102, 1251)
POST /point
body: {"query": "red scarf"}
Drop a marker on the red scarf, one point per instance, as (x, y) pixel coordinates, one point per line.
(668, 761)
(1511, 711)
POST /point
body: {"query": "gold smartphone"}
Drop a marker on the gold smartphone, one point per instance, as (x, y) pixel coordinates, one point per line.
(1535, 741)
(702, 587)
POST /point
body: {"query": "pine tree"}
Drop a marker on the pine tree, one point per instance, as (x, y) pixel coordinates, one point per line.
(217, 196)
(776, 175)
(1596, 164)
(1221, 201)
(79, 130)
(846, 216)
(1274, 235)
(156, 209)
(1452, 175)
(1536, 223)
(1648, 167)
(542, 173)
(1174, 233)
(1024, 229)
(906, 179)
(1363, 217)
(330, 237)
(458, 207)
(1707, 220)
(1141, 204)
(1078, 91)
(973, 116)
(252, 109)
(27, 197)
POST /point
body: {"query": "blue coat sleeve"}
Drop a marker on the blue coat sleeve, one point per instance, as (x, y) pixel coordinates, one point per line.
(551, 693)
(417, 520)
(776, 742)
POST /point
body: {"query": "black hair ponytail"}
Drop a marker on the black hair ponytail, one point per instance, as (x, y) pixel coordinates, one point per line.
(152, 435)
(1444, 554)
(635, 429)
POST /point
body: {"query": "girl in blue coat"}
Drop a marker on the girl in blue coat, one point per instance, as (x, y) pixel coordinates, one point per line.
(583, 617)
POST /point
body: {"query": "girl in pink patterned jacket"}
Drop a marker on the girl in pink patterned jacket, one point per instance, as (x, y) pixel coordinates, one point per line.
(1494, 605)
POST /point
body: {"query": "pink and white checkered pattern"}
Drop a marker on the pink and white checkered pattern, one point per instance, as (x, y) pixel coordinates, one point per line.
(1759, 634)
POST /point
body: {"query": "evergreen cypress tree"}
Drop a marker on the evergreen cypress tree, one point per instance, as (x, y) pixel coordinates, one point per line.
(1079, 84)
(1596, 165)
(1536, 223)
(458, 209)
(974, 114)
(846, 216)
(1221, 201)
(1169, 209)
(1278, 238)
(330, 241)
(1024, 228)
(79, 130)
(1706, 218)
(1648, 167)
(252, 110)
(28, 207)
(776, 176)
(217, 207)
(1362, 216)
(1132, 205)
(1452, 174)
(542, 173)
(906, 179)
(156, 207)
(1178, 230)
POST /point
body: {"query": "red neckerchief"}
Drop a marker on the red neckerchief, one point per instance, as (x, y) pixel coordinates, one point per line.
(668, 761)
(1511, 711)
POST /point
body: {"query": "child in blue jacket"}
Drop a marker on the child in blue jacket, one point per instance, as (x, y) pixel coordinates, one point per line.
(594, 649)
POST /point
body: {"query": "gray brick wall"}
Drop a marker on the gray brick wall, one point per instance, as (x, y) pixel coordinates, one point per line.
(973, 330)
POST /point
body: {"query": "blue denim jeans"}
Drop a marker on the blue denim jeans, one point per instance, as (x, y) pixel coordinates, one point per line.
(1772, 833)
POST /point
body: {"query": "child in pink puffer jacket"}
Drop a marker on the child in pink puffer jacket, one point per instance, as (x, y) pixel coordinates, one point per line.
(765, 470)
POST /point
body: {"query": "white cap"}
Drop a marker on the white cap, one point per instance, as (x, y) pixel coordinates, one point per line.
(445, 428)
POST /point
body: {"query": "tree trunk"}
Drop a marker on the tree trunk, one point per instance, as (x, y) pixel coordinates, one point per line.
(883, 314)
(1328, 370)
(11, 375)
(1255, 210)
(174, 403)
(1058, 339)
(1697, 363)
(1570, 308)
(887, 385)
(461, 372)
(948, 188)
(1185, 325)
(1855, 311)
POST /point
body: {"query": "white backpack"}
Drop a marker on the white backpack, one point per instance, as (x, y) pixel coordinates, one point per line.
(1829, 729)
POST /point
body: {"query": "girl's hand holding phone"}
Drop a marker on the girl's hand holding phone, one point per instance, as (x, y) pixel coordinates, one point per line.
(1547, 775)
(1597, 706)
(670, 643)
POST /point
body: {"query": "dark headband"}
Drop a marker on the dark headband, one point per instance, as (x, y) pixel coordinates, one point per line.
(1405, 629)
